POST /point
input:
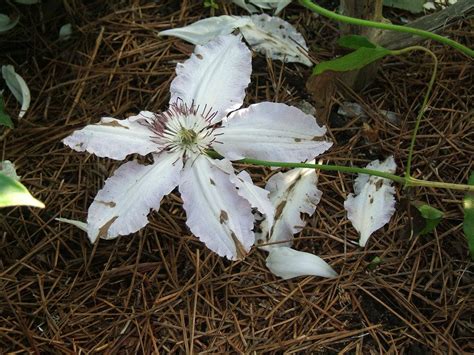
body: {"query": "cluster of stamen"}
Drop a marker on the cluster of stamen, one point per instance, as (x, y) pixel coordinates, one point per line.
(183, 128)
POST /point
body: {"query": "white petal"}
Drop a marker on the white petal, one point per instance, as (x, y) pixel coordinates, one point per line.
(79, 224)
(6, 23)
(216, 214)
(278, 5)
(205, 30)
(18, 87)
(271, 131)
(114, 138)
(276, 39)
(374, 204)
(256, 196)
(287, 263)
(215, 77)
(122, 206)
(292, 193)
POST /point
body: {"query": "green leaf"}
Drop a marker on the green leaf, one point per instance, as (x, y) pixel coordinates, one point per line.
(468, 225)
(414, 6)
(376, 261)
(13, 193)
(355, 42)
(352, 61)
(5, 119)
(431, 215)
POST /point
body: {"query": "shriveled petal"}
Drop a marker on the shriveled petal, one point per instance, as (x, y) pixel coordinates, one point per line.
(291, 193)
(203, 31)
(114, 138)
(122, 206)
(216, 214)
(215, 77)
(271, 131)
(287, 263)
(374, 203)
(256, 196)
(276, 38)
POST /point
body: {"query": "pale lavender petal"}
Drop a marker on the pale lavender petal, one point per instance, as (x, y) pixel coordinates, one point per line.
(215, 77)
(114, 138)
(271, 131)
(123, 204)
(216, 214)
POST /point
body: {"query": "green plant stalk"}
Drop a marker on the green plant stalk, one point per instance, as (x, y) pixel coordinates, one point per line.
(425, 100)
(407, 181)
(385, 26)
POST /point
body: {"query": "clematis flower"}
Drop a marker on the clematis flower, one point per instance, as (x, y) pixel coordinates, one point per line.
(207, 89)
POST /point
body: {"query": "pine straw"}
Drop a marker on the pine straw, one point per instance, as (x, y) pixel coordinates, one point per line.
(161, 290)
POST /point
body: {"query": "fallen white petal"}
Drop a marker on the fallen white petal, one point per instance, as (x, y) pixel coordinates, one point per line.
(271, 131)
(276, 38)
(216, 214)
(123, 204)
(114, 138)
(215, 77)
(79, 224)
(374, 203)
(287, 263)
(65, 32)
(6, 23)
(205, 30)
(291, 193)
(256, 196)
(18, 87)
(246, 6)
(8, 168)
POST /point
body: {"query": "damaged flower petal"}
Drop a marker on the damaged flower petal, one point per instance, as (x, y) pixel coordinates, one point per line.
(215, 77)
(292, 193)
(114, 138)
(373, 204)
(271, 131)
(276, 39)
(288, 263)
(123, 204)
(216, 214)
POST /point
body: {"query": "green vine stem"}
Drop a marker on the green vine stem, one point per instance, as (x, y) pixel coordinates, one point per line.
(386, 26)
(407, 180)
(425, 100)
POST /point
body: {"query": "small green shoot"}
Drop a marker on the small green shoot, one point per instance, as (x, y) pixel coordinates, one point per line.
(211, 3)
(376, 261)
(13, 193)
(468, 224)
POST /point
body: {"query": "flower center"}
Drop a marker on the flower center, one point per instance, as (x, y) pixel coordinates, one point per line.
(183, 129)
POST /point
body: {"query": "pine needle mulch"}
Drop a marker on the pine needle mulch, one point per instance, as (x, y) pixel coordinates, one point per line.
(161, 290)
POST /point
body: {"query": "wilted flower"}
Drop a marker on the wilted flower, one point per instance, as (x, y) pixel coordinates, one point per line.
(208, 86)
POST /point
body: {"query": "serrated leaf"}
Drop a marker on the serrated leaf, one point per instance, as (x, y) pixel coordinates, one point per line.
(431, 216)
(18, 87)
(355, 42)
(5, 119)
(373, 204)
(13, 193)
(6, 23)
(353, 61)
(468, 224)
